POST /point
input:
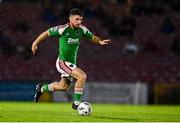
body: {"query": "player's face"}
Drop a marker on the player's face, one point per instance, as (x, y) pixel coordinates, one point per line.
(75, 20)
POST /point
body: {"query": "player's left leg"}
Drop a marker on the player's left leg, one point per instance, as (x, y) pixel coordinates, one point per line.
(57, 86)
(54, 86)
(64, 68)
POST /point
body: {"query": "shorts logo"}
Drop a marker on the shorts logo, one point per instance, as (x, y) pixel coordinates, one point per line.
(71, 65)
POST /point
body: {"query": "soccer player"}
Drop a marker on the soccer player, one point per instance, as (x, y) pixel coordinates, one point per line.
(70, 35)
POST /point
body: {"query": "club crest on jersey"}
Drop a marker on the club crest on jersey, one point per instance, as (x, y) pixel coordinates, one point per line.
(78, 32)
(73, 41)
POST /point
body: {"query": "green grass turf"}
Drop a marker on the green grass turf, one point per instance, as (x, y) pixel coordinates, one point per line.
(62, 112)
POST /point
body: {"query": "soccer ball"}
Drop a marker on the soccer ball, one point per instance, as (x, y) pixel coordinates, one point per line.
(84, 109)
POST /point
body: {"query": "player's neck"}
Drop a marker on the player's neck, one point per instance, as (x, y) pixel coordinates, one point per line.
(71, 25)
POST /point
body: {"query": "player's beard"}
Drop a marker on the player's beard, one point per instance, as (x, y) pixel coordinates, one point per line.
(76, 26)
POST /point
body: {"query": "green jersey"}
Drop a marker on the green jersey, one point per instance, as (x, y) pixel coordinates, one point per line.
(69, 40)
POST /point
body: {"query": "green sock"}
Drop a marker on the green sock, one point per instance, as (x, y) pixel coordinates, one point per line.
(45, 88)
(77, 97)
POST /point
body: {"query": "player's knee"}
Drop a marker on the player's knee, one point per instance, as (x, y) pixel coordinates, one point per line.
(83, 77)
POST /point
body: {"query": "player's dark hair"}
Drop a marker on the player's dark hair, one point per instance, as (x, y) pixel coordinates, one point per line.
(76, 11)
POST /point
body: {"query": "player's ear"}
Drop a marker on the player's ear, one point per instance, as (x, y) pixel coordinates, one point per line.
(70, 18)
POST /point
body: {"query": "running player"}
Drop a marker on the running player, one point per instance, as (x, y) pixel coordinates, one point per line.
(70, 35)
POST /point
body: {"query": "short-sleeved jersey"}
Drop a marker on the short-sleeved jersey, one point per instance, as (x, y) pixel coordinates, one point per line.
(69, 40)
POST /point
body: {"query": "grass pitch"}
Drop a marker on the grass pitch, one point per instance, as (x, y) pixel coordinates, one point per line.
(62, 112)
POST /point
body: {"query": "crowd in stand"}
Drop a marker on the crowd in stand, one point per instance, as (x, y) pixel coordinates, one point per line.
(145, 39)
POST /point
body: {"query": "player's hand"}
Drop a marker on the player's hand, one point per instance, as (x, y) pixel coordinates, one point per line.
(105, 42)
(34, 48)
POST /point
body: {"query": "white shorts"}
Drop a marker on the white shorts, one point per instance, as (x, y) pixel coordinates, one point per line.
(64, 67)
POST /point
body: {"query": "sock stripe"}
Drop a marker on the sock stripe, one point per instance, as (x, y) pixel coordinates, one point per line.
(42, 90)
(50, 88)
(78, 89)
(78, 92)
(46, 88)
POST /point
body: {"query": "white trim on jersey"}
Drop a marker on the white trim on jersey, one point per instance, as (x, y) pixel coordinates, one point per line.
(85, 29)
(62, 28)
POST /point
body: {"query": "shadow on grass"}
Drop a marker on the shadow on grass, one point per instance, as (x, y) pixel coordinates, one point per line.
(115, 118)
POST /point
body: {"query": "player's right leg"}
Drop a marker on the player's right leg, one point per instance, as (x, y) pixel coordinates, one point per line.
(79, 85)
(71, 70)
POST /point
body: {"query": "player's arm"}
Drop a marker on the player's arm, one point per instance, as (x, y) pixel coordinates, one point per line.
(94, 38)
(38, 40)
(97, 40)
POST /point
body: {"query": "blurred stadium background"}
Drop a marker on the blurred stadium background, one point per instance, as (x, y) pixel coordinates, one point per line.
(141, 66)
